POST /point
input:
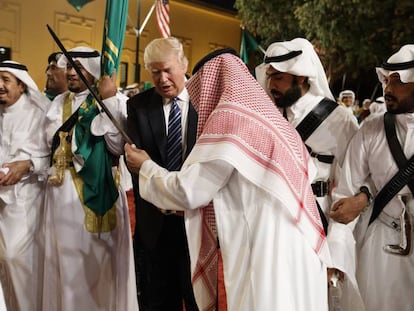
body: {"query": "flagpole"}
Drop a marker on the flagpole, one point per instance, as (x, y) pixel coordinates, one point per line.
(141, 29)
(138, 31)
(91, 90)
(138, 34)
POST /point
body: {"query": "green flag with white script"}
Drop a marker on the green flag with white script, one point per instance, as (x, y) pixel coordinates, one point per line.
(114, 33)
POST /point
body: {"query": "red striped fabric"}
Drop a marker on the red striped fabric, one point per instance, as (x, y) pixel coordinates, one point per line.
(162, 10)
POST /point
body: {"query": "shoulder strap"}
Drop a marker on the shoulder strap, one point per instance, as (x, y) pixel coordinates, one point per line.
(395, 146)
(403, 177)
(315, 117)
(305, 129)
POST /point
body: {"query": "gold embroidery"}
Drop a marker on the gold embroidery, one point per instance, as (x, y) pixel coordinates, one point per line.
(60, 161)
(93, 222)
(62, 155)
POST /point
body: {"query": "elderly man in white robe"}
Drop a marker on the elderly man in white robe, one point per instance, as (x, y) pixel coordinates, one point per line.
(24, 159)
(252, 165)
(88, 247)
(382, 230)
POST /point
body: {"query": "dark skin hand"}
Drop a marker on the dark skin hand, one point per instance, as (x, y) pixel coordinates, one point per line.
(107, 86)
(347, 209)
(17, 170)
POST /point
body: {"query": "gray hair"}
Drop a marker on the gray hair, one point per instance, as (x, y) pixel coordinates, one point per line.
(159, 50)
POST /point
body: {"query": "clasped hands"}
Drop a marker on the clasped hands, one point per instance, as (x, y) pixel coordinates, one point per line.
(135, 157)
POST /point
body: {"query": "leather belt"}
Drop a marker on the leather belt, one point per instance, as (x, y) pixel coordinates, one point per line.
(328, 159)
(321, 188)
(168, 212)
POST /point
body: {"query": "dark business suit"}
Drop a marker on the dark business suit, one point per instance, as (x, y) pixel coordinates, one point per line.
(161, 251)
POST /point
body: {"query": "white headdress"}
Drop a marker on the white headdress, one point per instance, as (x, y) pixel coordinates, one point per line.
(89, 58)
(401, 62)
(20, 72)
(297, 57)
(347, 93)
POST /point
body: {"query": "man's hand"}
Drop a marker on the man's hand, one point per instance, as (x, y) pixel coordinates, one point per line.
(16, 171)
(107, 86)
(347, 209)
(135, 157)
(332, 271)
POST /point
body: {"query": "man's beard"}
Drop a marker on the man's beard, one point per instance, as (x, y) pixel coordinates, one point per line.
(74, 88)
(399, 106)
(290, 97)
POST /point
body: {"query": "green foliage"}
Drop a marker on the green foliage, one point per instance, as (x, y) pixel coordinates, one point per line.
(351, 36)
(269, 20)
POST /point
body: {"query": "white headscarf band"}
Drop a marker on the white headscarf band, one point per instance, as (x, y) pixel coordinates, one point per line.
(401, 62)
(296, 57)
(347, 93)
(20, 72)
(89, 58)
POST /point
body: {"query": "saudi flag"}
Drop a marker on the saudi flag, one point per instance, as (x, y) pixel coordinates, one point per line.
(114, 33)
(78, 4)
(247, 46)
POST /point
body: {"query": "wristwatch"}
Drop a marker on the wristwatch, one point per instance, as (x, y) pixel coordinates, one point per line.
(364, 189)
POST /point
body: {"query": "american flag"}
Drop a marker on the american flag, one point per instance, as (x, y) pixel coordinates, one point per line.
(163, 17)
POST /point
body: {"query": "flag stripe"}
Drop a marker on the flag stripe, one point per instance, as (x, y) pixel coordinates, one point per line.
(163, 18)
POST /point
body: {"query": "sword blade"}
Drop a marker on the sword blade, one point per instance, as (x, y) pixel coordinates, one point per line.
(84, 80)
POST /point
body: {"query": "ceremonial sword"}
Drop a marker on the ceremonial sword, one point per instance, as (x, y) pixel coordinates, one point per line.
(84, 80)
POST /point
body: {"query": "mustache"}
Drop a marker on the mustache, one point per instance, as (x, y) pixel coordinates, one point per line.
(274, 92)
(390, 98)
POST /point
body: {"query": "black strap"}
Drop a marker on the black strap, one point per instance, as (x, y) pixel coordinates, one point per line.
(312, 121)
(323, 218)
(324, 158)
(305, 129)
(395, 146)
(65, 127)
(315, 117)
(403, 177)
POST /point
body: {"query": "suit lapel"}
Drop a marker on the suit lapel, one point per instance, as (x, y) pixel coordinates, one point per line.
(157, 124)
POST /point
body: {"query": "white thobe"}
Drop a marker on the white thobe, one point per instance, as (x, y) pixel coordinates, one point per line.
(84, 270)
(2, 302)
(21, 138)
(385, 280)
(268, 264)
(330, 138)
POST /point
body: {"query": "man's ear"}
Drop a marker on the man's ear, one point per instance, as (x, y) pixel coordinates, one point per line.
(303, 83)
(300, 79)
(23, 87)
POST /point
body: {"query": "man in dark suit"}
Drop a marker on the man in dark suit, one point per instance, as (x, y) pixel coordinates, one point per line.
(161, 250)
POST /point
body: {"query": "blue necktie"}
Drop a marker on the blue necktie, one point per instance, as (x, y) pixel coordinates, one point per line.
(174, 148)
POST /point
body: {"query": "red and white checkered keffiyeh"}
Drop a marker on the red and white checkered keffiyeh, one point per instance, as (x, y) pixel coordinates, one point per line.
(234, 109)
